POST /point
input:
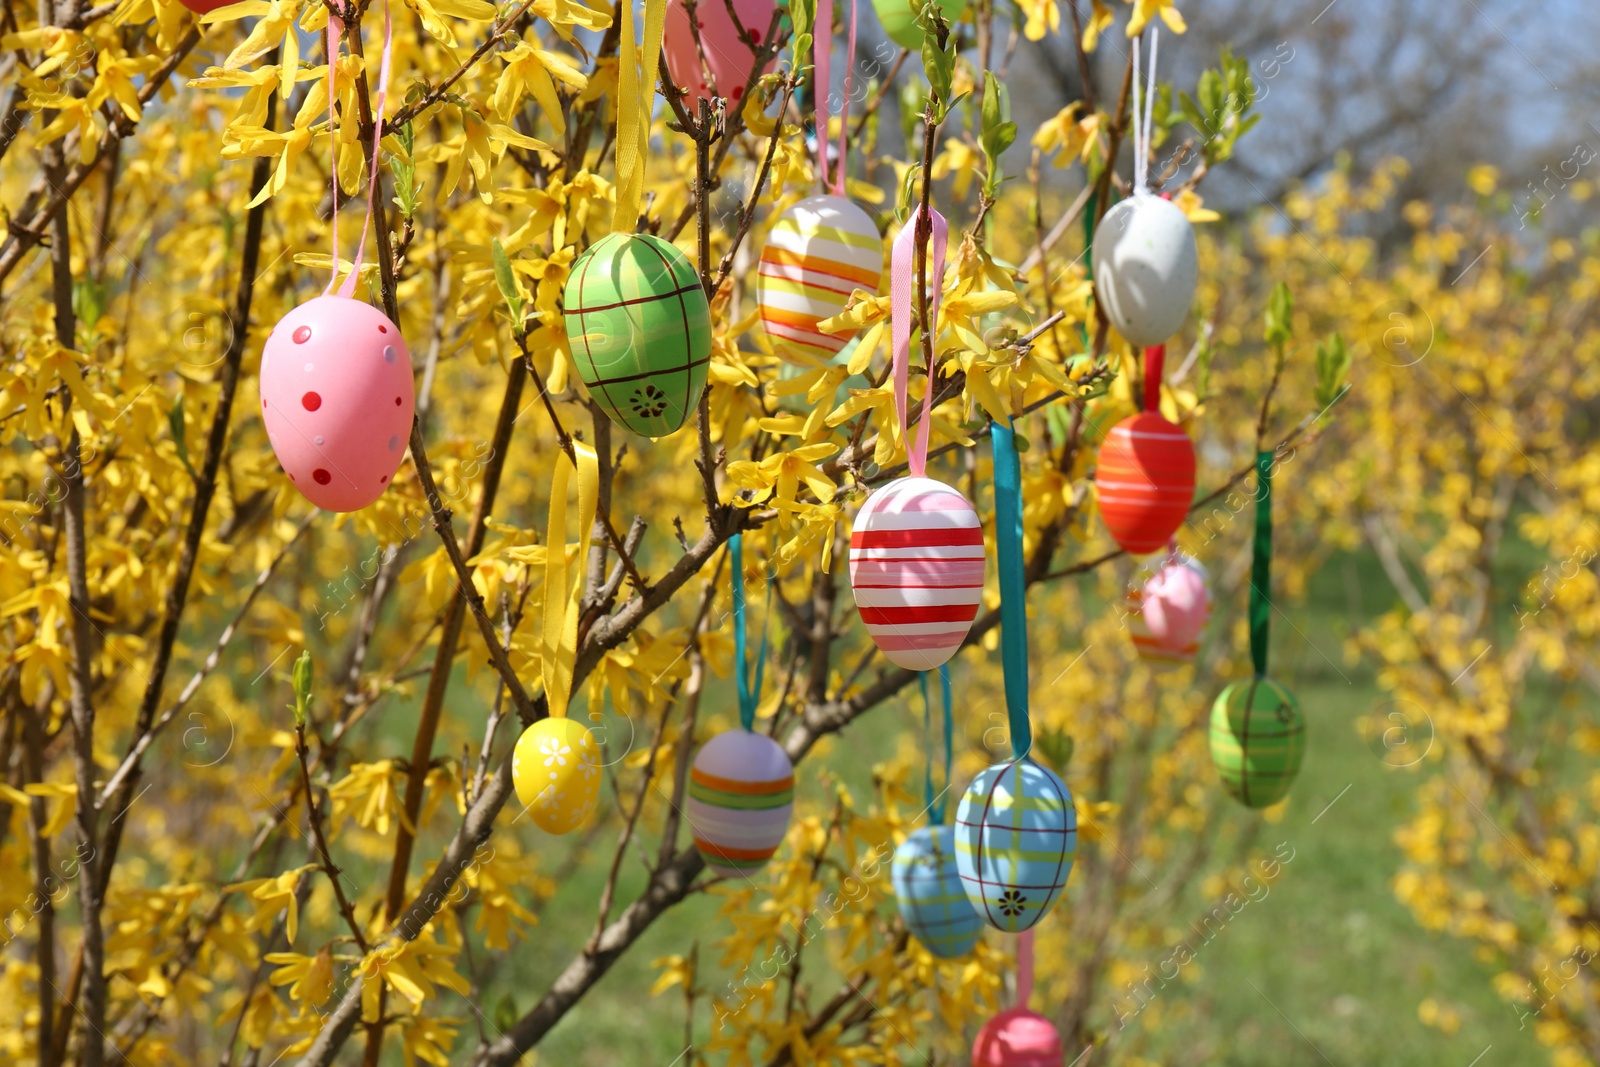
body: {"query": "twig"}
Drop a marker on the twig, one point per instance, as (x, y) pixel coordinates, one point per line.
(315, 820)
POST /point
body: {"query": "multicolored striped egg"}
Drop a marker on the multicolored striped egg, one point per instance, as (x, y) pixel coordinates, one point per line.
(556, 771)
(1166, 616)
(820, 250)
(1018, 1038)
(916, 569)
(741, 794)
(1016, 837)
(639, 328)
(1145, 268)
(336, 399)
(927, 888)
(1144, 481)
(1258, 740)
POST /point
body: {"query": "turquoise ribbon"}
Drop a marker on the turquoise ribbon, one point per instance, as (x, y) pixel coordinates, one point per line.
(936, 803)
(749, 695)
(1013, 586)
(1261, 566)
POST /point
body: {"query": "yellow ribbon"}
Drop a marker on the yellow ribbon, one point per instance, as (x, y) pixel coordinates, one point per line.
(633, 108)
(560, 645)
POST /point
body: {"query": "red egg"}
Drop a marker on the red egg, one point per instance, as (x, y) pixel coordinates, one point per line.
(205, 7)
(337, 399)
(728, 58)
(1144, 481)
(1017, 1038)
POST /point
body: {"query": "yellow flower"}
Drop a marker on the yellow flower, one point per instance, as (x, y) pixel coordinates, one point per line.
(272, 895)
(309, 978)
(782, 473)
(1145, 10)
(412, 970)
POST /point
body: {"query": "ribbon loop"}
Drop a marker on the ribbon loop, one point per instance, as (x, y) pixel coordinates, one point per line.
(636, 91)
(902, 273)
(749, 693)
(335, 28)
(1261, 566)
(1013, 584)
(935, 802)
(1155, 358)
(559, 645)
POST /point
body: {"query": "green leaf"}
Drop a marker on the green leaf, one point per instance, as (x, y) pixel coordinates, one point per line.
(1280, 312)
(302, 687)
(1333, 366)
(508, 284)
(505, 1013)
(88, 301)
(1056, 746)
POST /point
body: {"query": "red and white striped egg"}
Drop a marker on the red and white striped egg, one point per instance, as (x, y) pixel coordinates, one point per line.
(1144, 481)
(819, 252)
(337, 398)
(916, 569)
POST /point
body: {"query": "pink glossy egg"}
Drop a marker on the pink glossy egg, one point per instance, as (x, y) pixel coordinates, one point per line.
(337, 398)
(1017, 1038)
(728, 60)
(1176, 604)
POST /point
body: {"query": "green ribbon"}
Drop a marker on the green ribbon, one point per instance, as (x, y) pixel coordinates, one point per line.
(749, 695)
(936, 802)
(1261, 566)
(1013, 585)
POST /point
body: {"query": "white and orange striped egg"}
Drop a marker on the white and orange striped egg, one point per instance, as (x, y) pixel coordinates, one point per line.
(916, 569)
(819, 251)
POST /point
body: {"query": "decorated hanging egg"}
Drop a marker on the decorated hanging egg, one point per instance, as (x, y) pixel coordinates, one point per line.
(819, 251)
(1016, 836)
(916, 569)
(1017, 1038)
(1144, 481)
(728, 59)
(927, 888)
(336, 399)
(741, 794)
(556, 770)
(639, 329)
(1166, 616)
(899, 19)
(1258, 739)
(1145, 268)
(205, 7)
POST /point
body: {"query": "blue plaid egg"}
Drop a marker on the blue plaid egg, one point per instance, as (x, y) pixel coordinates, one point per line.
(928, 890)
(1016, 835)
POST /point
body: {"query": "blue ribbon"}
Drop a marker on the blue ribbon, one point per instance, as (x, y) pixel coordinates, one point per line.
(1013, 586)
(749, 695)
(936, 803)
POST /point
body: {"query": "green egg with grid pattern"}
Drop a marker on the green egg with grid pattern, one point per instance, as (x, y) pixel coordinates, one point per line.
(1258, 740)
(639, 328)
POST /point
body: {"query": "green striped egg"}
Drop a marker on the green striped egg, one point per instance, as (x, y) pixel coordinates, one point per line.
(639, 328)
(1016, 838)
(927, 889)
(1258, 739)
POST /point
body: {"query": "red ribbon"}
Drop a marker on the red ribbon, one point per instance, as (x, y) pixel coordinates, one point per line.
(902, 264)
(1155, 357)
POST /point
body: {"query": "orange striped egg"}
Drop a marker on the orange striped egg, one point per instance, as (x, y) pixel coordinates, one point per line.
(820, 250)
(916, 569)
(741, 794)
(1144, 481)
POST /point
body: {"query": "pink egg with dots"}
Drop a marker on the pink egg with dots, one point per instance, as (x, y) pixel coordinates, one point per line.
(728, 58)
(337, 400)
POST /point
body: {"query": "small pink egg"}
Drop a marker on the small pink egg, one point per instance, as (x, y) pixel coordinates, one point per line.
(1176, 604)
(728, 58)
(337, 399)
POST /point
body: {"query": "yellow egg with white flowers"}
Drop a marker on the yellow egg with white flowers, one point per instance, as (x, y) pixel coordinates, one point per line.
(556, 770)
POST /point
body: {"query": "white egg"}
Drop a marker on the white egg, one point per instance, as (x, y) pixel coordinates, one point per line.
(1145, 268)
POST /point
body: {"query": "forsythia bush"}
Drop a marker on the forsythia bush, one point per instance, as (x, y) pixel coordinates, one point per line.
(220, 849)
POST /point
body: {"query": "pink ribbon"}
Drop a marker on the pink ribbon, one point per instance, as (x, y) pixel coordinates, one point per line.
(822, 56)
(334, 25)
(902, 273)
(1024, 967)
